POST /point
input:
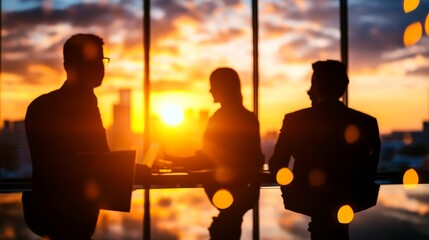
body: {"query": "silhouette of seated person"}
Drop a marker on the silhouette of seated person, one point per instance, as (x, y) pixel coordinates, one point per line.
(231, 148)
(335, 151)
(58, 125)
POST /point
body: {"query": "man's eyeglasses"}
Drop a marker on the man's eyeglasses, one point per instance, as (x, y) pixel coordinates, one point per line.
(106, 61)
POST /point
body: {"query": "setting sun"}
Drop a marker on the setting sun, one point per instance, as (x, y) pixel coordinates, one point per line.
(172, 114)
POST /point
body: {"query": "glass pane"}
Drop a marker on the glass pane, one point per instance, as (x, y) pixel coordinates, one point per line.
(33, 34)
(293, 34)
(399, 214)
(190, 39)
(186, 214)
(388, 77)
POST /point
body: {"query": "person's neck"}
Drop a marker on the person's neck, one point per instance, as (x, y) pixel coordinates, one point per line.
(228, 104)
(327, 100)
(75, 83)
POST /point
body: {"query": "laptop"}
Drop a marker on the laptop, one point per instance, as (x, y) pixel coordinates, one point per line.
(151, 155)
(105, 179)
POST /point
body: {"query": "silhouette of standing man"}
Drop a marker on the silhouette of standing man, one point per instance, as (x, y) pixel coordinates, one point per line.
(232, 148)
(335, 151)
(59, 124)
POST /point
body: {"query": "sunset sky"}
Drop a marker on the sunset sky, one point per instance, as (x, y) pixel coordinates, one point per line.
(189, 39)
(192, 38)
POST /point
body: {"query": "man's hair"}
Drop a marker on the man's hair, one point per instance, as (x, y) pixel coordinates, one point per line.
(75, 49)
(330, 78)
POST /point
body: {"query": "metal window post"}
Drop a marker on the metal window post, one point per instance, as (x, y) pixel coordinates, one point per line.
(344, 41)
(255, 97)
(146, 90)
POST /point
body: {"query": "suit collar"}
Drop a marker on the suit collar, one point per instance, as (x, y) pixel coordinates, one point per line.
(330, 102)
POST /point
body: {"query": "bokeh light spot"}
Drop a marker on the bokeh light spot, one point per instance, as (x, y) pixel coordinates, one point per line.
(91, 51)
(224, 175)
(351, 134)
(412, 34)
(222, 199)
(316, 177)
(284, 176)
(91, 190)
(408, 139)
(345, 214)
(410, 5)
(410, 179)
(427, 25)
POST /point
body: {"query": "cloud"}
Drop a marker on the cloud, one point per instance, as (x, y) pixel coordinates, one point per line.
(272, 29)
(423, 71)
(36, 36)
(421, 198)
(172, 10)
(79, 15)
(377, 28)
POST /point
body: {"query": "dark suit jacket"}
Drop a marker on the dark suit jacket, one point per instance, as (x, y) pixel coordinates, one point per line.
(336, 153)
(58, 125)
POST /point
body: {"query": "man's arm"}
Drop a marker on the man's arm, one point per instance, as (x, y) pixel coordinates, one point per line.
(281, 155)
(375, 149)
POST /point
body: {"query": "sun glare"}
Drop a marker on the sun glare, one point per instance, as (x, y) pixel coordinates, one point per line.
(172, 114)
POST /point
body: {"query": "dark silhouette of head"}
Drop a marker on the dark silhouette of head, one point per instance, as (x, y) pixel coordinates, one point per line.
(83, 59)
(225, 86)
(329, 80)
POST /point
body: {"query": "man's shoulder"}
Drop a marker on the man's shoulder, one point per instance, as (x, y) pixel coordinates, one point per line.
(302, 113)
(43, 100)
(240, 111)
(361, 115)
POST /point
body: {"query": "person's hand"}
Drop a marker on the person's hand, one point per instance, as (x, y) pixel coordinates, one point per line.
(160, 163)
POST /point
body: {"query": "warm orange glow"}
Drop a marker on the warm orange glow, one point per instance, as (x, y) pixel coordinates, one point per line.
(345, 214)
(408, 139)
(351, 134)
(224, 175)
(222, 199)
(284, 176)
(91, 190)
(91, 51)
(427, 25)
(172, 114)
(410, 5)
(316, 178)
(412, 34)
(410, 179)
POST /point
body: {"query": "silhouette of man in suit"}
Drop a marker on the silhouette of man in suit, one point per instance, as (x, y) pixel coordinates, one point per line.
(58, 125)
(335, 151)
(231, 147)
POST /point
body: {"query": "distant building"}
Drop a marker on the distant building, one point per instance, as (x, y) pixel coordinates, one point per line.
(15, 158)
(120, 135)
(23, 156)
(405, 149)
